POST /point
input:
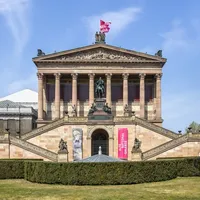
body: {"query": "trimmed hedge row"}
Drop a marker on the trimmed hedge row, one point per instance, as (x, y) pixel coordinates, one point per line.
(99, 173)
(10, 169)
(13, 168)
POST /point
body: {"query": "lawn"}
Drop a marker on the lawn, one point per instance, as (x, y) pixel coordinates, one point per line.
(177, 189)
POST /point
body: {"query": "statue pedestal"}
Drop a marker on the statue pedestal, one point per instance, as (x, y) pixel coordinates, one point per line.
(100, 114)
(136, 155)
(126, 114)
(63, 156)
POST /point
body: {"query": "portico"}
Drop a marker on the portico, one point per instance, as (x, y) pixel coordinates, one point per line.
(68, 79)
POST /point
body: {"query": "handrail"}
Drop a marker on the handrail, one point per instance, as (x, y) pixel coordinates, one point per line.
(156, 128)
(43, 129)
(165, 147)
(33, 148)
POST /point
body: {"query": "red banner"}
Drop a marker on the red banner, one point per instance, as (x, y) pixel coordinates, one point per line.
(123, 143)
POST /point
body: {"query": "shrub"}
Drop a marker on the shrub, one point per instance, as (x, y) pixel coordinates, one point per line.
(100, 173)
(10, 169)
(13, 168)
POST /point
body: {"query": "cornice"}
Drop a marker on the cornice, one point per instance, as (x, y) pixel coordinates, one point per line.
(103, 46)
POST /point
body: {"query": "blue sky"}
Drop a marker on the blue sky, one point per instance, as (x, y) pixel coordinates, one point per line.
(141, 25)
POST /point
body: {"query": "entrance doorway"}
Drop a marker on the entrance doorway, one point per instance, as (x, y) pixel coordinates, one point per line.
(100, 138)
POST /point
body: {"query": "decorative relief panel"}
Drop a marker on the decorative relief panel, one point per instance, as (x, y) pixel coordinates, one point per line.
(101, 54)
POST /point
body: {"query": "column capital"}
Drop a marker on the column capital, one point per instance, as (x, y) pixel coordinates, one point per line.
(142, 76)
(158, 76)
(91, 75)
(40, 76)
(57, 76)
(74, 76)
(125, 76)
(108, 76)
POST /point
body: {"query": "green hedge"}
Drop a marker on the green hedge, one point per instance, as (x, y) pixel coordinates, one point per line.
(10, 169)
(100, 173)
(13, 168)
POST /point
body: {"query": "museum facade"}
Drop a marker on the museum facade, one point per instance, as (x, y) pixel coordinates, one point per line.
(100, 95)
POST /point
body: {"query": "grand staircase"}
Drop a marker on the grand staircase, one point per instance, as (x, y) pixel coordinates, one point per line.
(44, 128)
(155, 128)
(33, 148)
(165, 147)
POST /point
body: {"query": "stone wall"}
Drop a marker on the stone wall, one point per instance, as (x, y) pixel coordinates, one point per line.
(17, 152)
(185, 150)
(148, 138)
(4, 151)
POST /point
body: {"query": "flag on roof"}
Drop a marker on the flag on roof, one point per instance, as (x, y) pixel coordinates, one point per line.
(104, 26)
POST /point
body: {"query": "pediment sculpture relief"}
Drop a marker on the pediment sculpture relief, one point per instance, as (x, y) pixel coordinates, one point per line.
(100, 55)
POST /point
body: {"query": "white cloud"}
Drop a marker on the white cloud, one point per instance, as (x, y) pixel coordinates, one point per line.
(119, 19)
(175, 38)
(30, 82)
(16, 13)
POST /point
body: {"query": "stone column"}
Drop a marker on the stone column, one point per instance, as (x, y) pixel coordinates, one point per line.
(125, 89)
(108, 89)
(57, 95)
(40, 96)
(158, 96)
(91, 89)
(111, 146)
(142, 95)
(44, 95)
(74, 89)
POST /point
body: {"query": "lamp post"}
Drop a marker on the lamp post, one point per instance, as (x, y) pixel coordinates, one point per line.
(7, 129)
(19, 131)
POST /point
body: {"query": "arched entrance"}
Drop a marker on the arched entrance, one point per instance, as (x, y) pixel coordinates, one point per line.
(100, 138)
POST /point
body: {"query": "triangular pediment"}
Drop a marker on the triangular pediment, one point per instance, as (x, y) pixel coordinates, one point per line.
(99, 52)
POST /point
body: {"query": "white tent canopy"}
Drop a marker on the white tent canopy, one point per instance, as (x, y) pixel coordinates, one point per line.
(26, 95)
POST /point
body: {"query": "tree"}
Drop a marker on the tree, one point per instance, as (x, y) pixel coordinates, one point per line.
(195, 128)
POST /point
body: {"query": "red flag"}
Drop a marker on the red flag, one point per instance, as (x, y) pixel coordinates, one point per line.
(104, 26)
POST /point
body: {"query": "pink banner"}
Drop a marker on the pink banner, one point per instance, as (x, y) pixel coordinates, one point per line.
(123, 143)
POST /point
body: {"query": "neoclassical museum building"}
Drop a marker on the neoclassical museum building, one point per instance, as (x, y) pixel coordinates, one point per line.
(99, 96)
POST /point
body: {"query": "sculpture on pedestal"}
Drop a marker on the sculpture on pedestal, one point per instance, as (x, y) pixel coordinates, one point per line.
(92, 109)
(63, 146)
(100, 88)
(40, 53)
(159, 53)
(137, 145)
(100, 37)
(74, 112)
(107, 109)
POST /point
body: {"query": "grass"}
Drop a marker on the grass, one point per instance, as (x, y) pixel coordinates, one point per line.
(177, 189)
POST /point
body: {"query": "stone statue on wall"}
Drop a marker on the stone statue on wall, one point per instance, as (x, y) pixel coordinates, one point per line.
(63, 146)
(159, 53)
(100, 37)
(100, 88)
(137, 145)
(92, 109)
(74, 111)
(107, 109)
(40, 53)
(126, 108)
